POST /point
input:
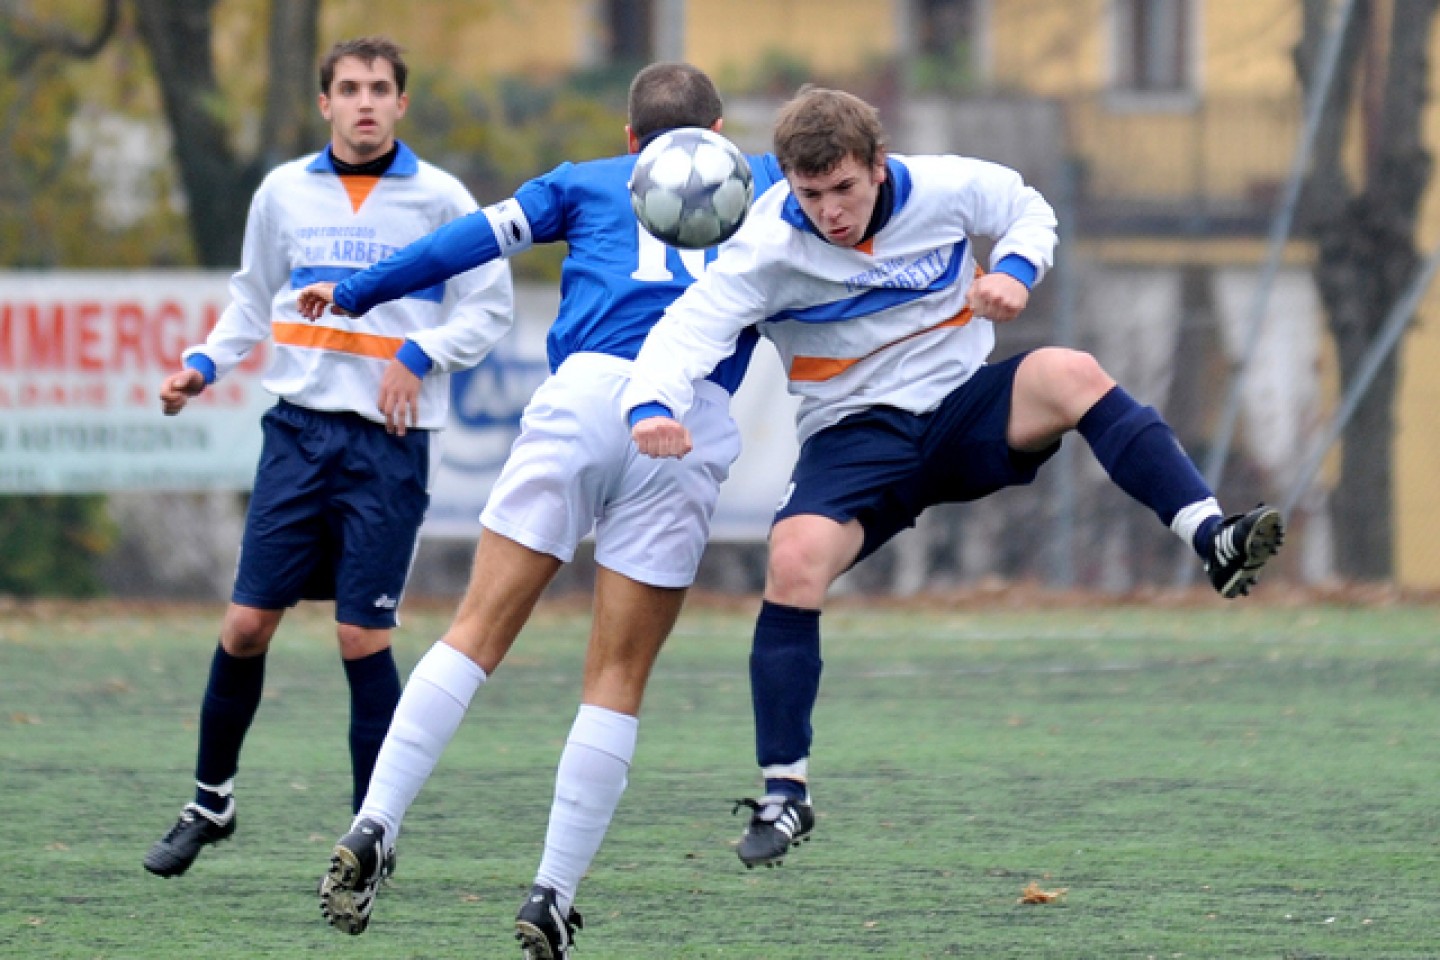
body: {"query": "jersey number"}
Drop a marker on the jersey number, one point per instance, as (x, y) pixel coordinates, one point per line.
(652, 267)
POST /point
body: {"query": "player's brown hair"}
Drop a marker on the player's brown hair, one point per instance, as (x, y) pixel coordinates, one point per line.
(664, 96)
(367, 50)
(817, 129)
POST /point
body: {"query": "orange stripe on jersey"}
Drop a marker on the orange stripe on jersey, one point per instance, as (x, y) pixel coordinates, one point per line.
(358, 189)
(338, 341)
(817, 369)
(866, 246)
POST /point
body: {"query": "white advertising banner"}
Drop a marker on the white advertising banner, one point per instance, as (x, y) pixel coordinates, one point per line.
(82, 356)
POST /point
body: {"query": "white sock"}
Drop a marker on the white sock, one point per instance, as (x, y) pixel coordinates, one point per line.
(1188, 520)
(430, 710)
(588, 786)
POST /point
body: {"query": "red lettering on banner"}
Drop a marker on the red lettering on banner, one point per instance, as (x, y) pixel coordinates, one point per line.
(45, 336)
(32, 395)
(129, 329)
(88, 336)
(170, 336)
(7, 337)
(98, 335)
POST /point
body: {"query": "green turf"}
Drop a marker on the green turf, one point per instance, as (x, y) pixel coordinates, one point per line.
(1229, 781)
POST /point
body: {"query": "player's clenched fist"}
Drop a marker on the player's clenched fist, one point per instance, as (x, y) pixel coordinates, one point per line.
(661, 437)
(998, 296)
(178, 388)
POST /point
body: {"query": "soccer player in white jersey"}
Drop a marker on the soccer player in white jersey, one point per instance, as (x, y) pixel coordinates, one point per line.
(862, 273)
(571, 470)
(343, 480)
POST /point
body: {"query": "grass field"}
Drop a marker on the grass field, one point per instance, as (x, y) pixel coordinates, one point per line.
(1234, 781)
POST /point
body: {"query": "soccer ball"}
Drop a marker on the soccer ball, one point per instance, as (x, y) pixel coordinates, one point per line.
(691, 188)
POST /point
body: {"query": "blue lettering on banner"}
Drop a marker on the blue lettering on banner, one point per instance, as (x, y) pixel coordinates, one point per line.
(485, 407)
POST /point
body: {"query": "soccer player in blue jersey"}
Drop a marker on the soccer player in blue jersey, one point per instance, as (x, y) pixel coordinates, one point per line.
(862, 274)
(343, 480)
(572, 469)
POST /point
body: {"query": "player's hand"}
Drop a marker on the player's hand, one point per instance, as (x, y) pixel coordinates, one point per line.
(312, 301)
(662, 437)
(998, 296)
(399, 398)
(178, 388)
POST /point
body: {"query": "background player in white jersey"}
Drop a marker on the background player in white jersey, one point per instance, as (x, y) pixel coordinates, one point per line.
(573, 468)
(343, 480)
(862, 273)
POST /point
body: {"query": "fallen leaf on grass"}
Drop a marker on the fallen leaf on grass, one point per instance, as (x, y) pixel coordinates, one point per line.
(1034, 894)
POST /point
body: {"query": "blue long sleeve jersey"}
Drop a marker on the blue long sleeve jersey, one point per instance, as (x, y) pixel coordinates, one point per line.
(616, 280)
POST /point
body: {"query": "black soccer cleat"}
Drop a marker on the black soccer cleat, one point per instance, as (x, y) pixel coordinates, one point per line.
(777, 824)
(349, 887)
(172, 854)
(544, 933)
(1243, 543)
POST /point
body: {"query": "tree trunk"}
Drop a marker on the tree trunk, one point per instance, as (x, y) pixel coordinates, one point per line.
(1366, 239)
(217, 182)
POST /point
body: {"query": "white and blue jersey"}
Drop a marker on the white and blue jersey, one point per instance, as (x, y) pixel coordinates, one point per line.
(883, 323)
(615, 282)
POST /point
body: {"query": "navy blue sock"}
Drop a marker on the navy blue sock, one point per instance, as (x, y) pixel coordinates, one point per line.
(1139, 451)
(784, 684)
(374, 692)
(1204, 539)
(231, 698)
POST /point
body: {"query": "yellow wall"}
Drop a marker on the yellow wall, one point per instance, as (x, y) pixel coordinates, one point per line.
(480, 38)
(492, 37)
(1417, 446)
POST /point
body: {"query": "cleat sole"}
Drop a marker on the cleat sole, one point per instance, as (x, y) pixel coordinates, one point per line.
(1262, 543)
(337, 893)
(533, 944)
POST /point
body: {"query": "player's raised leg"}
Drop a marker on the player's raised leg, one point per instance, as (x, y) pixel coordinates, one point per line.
(1057, 389)
(506, 580)
(631, 622)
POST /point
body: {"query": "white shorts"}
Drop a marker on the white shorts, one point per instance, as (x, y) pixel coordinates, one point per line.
(574, 468)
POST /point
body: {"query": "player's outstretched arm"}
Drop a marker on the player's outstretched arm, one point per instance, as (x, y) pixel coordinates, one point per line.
(311, 301)
(178, 388)
(661, 437)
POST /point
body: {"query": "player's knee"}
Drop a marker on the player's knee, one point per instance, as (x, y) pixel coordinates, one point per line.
(797, 574)
(247, 632)
(1065, 383)
(357, 642)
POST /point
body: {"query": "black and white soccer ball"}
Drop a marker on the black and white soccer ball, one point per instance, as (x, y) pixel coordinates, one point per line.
(691, 188)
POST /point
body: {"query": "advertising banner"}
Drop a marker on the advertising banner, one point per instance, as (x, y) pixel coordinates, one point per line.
(82, 356)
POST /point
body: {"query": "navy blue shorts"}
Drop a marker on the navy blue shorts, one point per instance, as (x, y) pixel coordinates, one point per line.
(335, 514)
(884, 466)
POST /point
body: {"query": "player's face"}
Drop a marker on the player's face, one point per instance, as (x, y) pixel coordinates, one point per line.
(840, 201)
(363, 106)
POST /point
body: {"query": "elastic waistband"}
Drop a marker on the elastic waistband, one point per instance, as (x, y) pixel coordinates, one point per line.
(619, 366)
(338, 416)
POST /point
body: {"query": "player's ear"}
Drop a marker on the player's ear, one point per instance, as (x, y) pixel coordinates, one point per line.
(324, 103)
(632, 142)
(402, 102)
(719, 122)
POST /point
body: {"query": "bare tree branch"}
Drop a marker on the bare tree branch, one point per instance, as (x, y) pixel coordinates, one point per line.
(30, 36)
